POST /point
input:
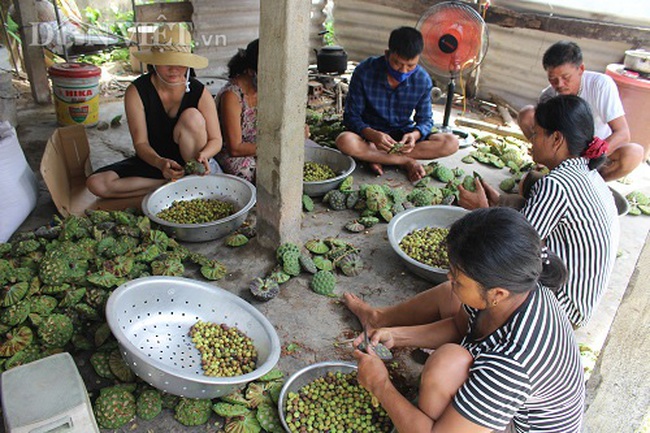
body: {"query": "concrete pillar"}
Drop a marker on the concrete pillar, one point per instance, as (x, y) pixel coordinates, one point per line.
(7, 92)
(282, 96)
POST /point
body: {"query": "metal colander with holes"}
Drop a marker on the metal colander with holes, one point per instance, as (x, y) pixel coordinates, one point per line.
(224, 187)
(151, 317)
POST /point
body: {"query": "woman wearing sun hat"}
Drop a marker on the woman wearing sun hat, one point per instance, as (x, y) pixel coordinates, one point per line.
(172, 119)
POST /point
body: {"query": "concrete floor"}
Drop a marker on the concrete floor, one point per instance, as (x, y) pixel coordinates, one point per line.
(315, 323)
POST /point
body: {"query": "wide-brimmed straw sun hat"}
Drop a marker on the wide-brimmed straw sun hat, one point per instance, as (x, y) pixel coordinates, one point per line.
(171, 46)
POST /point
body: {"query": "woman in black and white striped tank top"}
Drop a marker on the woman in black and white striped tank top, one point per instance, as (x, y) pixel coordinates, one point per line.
(515, 363)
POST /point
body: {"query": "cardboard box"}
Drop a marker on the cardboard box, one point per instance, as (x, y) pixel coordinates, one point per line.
(65, 167)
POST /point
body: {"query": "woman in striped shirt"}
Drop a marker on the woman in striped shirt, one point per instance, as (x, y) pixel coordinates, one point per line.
(508, 359)
(571, 208)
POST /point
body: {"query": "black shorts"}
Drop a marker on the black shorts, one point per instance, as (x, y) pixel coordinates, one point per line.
(133, 167)
(397, 135)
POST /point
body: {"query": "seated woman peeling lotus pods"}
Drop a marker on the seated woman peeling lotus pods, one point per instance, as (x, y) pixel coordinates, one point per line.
(507, 360)
(172, 119)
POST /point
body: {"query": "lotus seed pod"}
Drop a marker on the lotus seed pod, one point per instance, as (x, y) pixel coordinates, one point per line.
(193, 412)
(307, 203)
(16, 340)
(347, 183)
(269, 419)
(228, 410)
(149, 404)
(236, 240)
(16, 314)
(469, 183)
(469, 159)
(213, 270)
(386, 214)
(273, 374)
(194, 167)
(243, 424)
(355, 226)
(352, 199)
(99, 361)
(119, 367)
(14, 293)
(256, 394)
(323, 283)
(291, 263)
(307, 263)
(507, 184)
(337, 200)
(369, 221)
(114, 408)
(279, 276)
(351, 265)
(284, 248)
(323, 264)
(382, 351)
(264, 289)
(316, 246)
(443, 174)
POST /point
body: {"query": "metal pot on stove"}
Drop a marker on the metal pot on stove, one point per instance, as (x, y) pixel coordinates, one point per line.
(331, 58)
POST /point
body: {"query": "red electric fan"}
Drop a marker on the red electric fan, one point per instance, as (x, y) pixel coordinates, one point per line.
(455, 43)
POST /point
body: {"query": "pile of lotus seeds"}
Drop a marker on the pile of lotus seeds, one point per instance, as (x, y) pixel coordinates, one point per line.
(225, 351)
(335, 403)
(315, 172)
(427, 246)
(196, 211)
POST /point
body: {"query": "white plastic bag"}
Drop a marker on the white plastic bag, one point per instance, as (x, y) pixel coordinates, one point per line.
(18, 185)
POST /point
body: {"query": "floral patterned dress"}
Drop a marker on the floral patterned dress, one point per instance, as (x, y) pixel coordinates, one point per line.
(242, 166)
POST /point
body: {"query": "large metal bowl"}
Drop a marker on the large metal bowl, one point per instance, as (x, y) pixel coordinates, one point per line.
(223, 187)
(418, 218)
(342, 164)
(622, 205)
(150, 318)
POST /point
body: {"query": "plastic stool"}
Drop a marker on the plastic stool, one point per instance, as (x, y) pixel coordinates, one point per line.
(46, 396)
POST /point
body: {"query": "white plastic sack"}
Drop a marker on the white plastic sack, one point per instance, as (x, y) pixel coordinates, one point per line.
(18, 185)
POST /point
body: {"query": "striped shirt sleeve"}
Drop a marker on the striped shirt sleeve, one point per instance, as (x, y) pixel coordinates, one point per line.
(496, 389)
(546, 206)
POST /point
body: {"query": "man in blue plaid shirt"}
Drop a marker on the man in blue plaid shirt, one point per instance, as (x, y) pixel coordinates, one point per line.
(388, 110)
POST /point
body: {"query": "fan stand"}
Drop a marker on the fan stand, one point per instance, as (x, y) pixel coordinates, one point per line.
(465, 138)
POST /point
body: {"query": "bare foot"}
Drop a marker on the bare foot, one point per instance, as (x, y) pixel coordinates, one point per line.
(414, 170)
(364, 312)
(377, 169)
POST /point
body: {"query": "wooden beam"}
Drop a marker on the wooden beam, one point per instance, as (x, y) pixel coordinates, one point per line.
(32, 51)
(175, 12)
(569, 27)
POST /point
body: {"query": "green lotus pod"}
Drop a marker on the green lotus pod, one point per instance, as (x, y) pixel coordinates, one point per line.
(243, 424)
(16, 314)
(193, 412)
(103, 278)
(56, 330)
(42, 304)
(443, 174)
(423, 183)
(98, 216)
(213, 270)
(634, 211)
(102, 334)
(307, 203)
(376, 198)
(369, 221)
(468, 159)
(236, 397)
(100, 363)
(368, 213)
(469, 183)
(355, 226)
(228, 410)
(85, 311)
(264, 289)
(316, 246)
(268, 418)
(291, 263)
(81, 342)
(273, 374)
(307, 263)
(351, 265)
(638, 198)
(507, 184)
(284, 248)
(194, 167)
(169, 267)
(361, 204)
(159, 238)
(55, 289)
(16, 341)
(379, 349)
(279, 276)
(337, 200)
(114, 408)
(29, 354)
(24, 247)
(323, 264)
(645, 210)
(169, 401)
(149, 404)
(421, 197)
(119, 368)
(248, 231)
(236, 240)
(275, 388)
(386, 214)
(323, 283)
(14, 293)
(347, 183)
(351, 199)
(256, 394)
